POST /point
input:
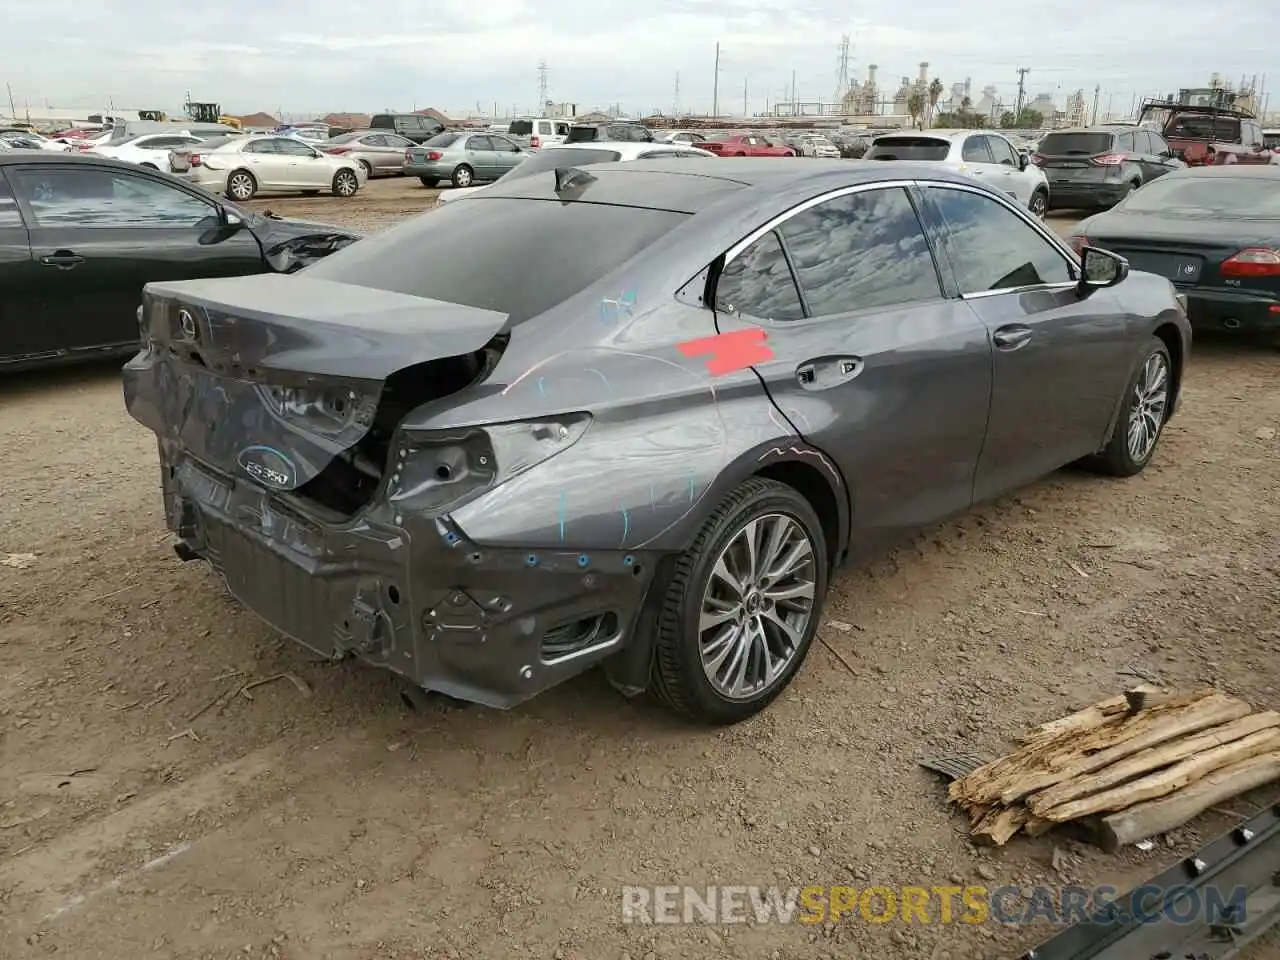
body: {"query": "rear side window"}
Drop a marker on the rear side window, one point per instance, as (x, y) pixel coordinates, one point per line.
(538, 253)
(759, 283)
(975, 150)
(908, 148)
(581, 134)
(10, 215)
(861, 251)
(520, 128)
(1075, 144)
(1124, 143)
(384, 121)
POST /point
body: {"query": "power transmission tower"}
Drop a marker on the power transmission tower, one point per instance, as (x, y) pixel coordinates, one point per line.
(842, 71)
(1022, 77)
(746, 110)
(543, 71)
(715, 89)
(1096, 91)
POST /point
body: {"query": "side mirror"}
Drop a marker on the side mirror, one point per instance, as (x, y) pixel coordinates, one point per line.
(1023, 160)
(1101, 268)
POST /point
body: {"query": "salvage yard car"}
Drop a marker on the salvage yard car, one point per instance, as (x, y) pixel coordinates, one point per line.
(462, 158)
(80, 236)
(646, 440)
(242, 167)
(1215, 233)
(1100, 166)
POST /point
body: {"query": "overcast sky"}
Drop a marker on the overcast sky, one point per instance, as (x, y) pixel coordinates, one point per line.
(334, 55)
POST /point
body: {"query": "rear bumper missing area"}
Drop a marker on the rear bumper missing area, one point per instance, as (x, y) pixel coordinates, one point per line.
(410, 594)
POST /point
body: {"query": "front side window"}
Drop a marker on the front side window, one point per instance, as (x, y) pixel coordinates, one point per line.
(975, 150)
(861, 251)
(88, 197)
(1002, 151)
(992, 248)
(758, 282)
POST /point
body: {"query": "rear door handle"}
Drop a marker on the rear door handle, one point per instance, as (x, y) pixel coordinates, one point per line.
(1011, 337)
(63, 259)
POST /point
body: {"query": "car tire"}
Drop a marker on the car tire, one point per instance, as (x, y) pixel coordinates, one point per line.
(429, 182)
(681, 676)
(310, 193)
(241, 185)
(1146, 399)
(1039, 204)
(345, 184)
(463, 176)
(368, 169)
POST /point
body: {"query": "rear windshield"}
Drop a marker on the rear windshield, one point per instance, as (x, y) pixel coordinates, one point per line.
(212, 143)
(345, 137)
(520, 128)
(441, 140)
(908, 148)
(1075, 144)
(582, 134)
(560, 157)
(1243, 198)
(536, 253)
(1191, 127)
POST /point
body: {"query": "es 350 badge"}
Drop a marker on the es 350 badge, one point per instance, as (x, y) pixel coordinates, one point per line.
(268, 466)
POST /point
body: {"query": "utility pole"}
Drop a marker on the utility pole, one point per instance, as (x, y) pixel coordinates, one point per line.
(715, 88)
(1107, 116)
(794, 100)
(1096, 92)
(745, 110)
(1022, 77)
(542, 87)
(675, 99)
(13, 111)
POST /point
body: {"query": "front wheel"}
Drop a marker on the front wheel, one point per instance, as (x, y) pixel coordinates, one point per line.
(1143, 414)
(1039, 204)
(345, 184)
(743, 605)
(368, 169)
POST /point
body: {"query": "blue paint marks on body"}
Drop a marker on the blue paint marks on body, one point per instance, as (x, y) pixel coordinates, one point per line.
(562, 516)
(626, 523)
(542, 387)
(613, 308)
(603, 379)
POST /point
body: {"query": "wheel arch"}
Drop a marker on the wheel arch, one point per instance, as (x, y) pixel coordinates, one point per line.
(818, 487)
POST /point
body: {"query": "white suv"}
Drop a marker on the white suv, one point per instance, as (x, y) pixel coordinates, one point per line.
(984, 154)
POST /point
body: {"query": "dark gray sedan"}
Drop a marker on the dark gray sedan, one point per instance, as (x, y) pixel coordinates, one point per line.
(462, 159)
(646, 440)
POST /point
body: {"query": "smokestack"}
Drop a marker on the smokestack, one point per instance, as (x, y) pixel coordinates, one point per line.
(924, 73)
(871, 74)
(968, 86)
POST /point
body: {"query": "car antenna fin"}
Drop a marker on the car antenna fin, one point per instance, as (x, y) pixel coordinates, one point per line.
(569, 177)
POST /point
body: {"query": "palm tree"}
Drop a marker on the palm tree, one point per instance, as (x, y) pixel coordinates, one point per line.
(935, 94)
(966, 105)
(915, 105)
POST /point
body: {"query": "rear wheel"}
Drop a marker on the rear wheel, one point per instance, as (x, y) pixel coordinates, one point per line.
(241, 185)
(1143, 413)
(429, 182)
(345, 184)
(463, 176)
(743, 605)
(1039, 203)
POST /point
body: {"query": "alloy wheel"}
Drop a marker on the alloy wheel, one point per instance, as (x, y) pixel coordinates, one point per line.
(345, 183)
(1150, 399)
(1039, 205)
(463, 177)
(757, 605)
(241, 186)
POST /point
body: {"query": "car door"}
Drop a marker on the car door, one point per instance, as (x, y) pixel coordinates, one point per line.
(1011, 179)
(869, 360)
(977, 159)
(480, 158)
(505, 154)
(1061, 359)
(264, 159)
(391, 154)
(306, 168)
(98, 234)
(26, 332)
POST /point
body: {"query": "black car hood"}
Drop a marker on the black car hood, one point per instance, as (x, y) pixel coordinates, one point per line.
(289, 245)
(1162, 228)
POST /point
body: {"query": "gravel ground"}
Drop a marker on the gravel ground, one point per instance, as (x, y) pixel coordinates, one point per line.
(339, 825)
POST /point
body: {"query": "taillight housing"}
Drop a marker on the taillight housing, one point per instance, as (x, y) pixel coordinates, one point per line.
(408, 155)
(1078, 242)
(336, 149)
(196, 160)
(1109, 160)
(1037, 159)
(535, 141)
(1252, 262)
(434, 154)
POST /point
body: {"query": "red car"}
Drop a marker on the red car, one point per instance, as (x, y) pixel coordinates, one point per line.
(746, 145)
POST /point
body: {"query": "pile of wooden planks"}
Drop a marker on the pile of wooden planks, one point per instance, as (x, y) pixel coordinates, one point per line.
(1127, 768)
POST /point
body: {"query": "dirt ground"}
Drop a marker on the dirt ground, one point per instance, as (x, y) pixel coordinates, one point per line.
(340, 825)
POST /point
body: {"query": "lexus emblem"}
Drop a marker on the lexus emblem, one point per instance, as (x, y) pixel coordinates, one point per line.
(188, 324)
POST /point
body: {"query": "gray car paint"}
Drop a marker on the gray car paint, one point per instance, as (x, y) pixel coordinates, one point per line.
(457, 600)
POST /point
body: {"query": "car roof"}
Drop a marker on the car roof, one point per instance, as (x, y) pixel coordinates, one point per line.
(1258, 171)
(947, 134)
(630, 149)
(1096, 128)
(690, 185)
(49, 156)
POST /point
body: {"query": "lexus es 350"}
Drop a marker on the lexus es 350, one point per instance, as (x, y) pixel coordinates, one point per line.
(636, 414)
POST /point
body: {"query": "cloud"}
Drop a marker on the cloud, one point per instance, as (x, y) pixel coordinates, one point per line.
(455, 54)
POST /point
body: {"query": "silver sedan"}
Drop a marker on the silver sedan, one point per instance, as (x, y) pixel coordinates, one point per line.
(380, 152)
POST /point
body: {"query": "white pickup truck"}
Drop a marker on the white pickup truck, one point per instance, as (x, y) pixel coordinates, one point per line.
(534, 133)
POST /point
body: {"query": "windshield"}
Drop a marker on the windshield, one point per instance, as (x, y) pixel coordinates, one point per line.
(1231, 198)
(1076, 144)
(1186, 126)
(908, 148)
(538, 253)
(559, 157)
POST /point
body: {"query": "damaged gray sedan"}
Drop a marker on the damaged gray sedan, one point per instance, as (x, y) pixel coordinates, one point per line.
(635, 415)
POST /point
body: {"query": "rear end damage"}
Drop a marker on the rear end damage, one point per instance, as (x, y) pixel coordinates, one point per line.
(278, 404)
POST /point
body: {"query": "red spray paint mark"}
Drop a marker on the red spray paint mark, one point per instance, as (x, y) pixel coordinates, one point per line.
(730, 351)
